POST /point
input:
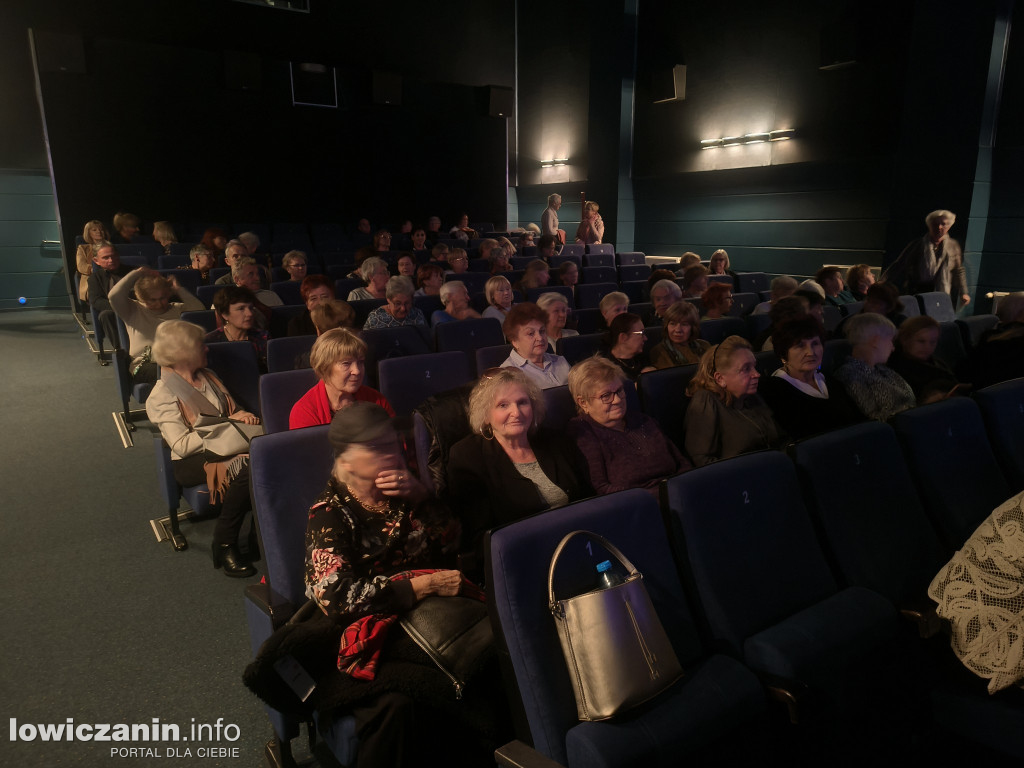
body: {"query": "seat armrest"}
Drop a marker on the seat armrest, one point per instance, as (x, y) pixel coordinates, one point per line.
(793, 693)
(925, 616)
(518, 754)
(271, 603)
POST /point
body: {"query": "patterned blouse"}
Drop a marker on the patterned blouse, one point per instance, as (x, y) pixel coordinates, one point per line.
(878, 391)
(351, 551)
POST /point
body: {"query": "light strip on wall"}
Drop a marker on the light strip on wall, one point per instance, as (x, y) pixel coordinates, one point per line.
(556, 161)
(783, 134)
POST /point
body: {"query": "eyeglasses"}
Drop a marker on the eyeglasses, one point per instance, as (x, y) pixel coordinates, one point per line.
(609, 397)
(638, 333)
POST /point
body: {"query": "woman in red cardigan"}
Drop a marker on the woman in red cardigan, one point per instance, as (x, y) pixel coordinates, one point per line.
(339, 360)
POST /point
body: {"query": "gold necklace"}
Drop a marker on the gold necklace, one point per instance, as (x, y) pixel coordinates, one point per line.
(368, 505)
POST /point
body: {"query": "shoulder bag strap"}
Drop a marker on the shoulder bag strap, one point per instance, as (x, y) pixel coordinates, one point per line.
(552, 602)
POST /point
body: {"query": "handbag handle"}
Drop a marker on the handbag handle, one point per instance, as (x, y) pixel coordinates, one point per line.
(562, 544)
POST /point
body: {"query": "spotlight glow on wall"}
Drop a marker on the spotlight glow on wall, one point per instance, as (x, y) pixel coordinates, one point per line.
(556, 161)
(783, 134)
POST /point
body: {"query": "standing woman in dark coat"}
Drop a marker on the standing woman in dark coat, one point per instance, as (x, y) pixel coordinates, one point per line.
(509, 467)
(803, 401)
(934, 262)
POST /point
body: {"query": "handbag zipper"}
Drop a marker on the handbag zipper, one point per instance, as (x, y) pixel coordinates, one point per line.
(418, 639)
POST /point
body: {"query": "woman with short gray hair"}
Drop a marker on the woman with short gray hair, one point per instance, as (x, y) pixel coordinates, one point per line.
(374, 272)
(934, 262)
(877, 390)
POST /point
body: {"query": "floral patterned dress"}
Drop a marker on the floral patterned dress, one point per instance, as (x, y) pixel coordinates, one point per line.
(351, 551)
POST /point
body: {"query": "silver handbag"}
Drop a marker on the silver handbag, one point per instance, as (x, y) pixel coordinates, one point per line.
(615, 647)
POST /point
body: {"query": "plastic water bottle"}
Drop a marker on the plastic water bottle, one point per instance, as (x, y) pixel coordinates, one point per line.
(607, 575)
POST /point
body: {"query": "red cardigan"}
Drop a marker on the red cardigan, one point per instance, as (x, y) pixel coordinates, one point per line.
(314, 407)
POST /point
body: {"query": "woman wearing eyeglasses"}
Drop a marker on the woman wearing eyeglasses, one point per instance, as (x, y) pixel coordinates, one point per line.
(622, 449)
(726, 417)
(626, 345)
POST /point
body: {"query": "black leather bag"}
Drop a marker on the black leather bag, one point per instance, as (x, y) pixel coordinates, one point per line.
(455, 632)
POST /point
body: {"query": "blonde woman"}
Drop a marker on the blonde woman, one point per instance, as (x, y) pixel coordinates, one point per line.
(681, 344)
(591, 228)
(95, 234)
(498, 291)
(163, 233)
(726, 417)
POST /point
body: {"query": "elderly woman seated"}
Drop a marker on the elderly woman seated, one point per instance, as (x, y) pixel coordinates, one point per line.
(455, 298)
(295, 264)
(719, 263)
(664, 293)
(498, 292)
(202, 260)
(781, 287)
(557, 307)
(914, 360)
(315, 290)
(429, 279)
(878, 391)
(681, 344)
(625, 345)
(234, 307)
(500, 259)
(405, 265)
(376, 545)
(510, 467)
(726, 417)
(458, 261)
(688, 260)
(399, 309)
(338, 358)
(186, 397)
(569, 275)
(717, 301)
(374, 272)
(803, 401)
(163, 233)
(611, 306)
(525, 327)
(623, 449)
(141, 316)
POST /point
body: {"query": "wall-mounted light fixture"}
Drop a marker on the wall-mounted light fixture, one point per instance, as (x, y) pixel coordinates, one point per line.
(783, 134)
(556, 161)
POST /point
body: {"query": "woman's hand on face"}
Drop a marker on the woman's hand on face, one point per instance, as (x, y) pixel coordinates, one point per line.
(441, 583)
(400, 482)
(245, 417)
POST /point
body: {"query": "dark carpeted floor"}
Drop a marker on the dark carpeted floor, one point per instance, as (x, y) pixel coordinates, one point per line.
(101, 623)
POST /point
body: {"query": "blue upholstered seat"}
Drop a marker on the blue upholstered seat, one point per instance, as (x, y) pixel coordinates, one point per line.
(589, 295)
(606, 248)
(718, 330)
(602, 274)
(1002, 408)
(288, 471)
(468, 336)
(765, 585)
(663, 398)
(937, 304)
(628, 258)
(284, 353)
(279, 392)
(953, 467)
(715, 701)
(408, 381)
(878, 536)
(491, 357)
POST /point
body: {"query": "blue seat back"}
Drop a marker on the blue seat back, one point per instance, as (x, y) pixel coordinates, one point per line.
(598, 260)
(853, 308)
(938, 305)
(285, 354)
(629, 258)
(235, 363)
(288, 471)
(474, 281)
(878, 536)
(719, 329)
(206, 318)
(973, 327)
(743, 304)
(468, 336)
(281, 316)
(742, 528)
(288, 291)
(663, 398)
(428, 305)
(559, 407)
(491, 357)
(363, 308)
(757, 324)
(205, 294)
(576, 348)
(173, 260)
(279, 392)
(573, 249)
(634, 272)
(606, 248)
(910, 306)
(605, 274)
(408, 381)
(518, 556)
(635, 290)
(752, 282)
(589, 295)
(385, 343)
(1002, 408)
(953, 467)
(535, 293)
(833, 316)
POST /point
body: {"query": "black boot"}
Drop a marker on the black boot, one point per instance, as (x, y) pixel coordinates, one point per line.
(228, 556)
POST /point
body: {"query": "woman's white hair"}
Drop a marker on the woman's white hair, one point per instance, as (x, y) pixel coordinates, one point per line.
(448, 288)
(863, 327)
(940, 214)
(368, 267)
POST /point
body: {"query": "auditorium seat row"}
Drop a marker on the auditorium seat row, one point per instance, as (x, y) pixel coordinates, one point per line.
(780, 578)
